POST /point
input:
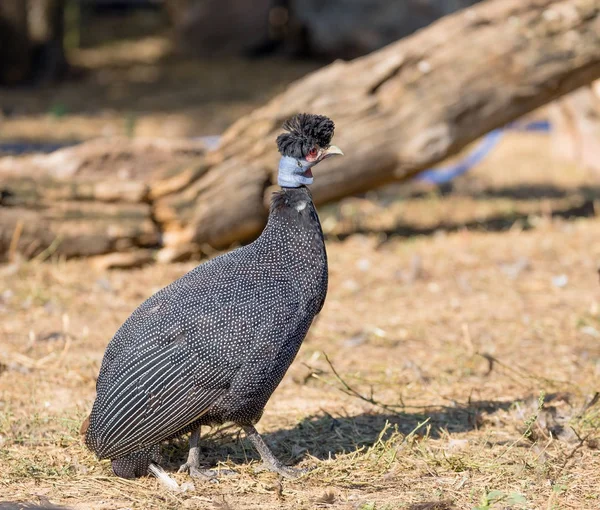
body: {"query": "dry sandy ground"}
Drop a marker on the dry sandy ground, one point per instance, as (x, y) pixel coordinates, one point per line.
(463, 363)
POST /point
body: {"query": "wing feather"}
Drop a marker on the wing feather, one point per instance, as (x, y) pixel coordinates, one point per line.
(154, 398)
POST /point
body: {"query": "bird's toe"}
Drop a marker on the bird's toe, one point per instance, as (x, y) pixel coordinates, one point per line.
(290, 472)
(184, 468)
(205, 474)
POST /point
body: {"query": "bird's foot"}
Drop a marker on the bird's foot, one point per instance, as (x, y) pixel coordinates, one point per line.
(270, 462)
(285, 471)
(207, 474)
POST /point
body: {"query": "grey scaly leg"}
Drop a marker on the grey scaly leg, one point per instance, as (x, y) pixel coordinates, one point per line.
(269, 460)
(192, 466)
(193, 461)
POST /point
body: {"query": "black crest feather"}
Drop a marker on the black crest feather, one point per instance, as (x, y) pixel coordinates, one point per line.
(304, 131)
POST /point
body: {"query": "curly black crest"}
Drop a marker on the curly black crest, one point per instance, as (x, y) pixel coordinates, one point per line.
(305, 130)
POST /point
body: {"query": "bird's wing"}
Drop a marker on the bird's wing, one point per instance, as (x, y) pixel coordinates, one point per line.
(153, 396)
(160, 373)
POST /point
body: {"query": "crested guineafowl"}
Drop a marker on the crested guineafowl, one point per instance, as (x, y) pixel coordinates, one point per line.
(212, 347)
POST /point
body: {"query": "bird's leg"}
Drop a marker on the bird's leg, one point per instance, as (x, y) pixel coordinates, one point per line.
(192, 466)
(193, 460)
(269, 460)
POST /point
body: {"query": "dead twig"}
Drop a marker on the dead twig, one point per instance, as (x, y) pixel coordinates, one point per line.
(518, 371)
(594, 400)
(14, 242)
(349, 390)
(571, 454)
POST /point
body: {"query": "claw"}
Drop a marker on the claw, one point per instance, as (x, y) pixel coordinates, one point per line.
(291, 473)
(184, 468)
(206, 474)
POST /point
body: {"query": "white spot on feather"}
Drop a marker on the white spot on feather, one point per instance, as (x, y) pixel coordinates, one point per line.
(301, 206)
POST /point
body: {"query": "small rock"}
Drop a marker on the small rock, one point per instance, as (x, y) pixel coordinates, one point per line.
(433, 287)
(560, 281)
(379, 332)
(356, 340)
(351, 285)
(104, 284)
(363, 264)
(514, 270)
(590, 330)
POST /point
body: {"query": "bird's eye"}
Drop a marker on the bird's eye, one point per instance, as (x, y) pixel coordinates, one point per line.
(313, 152)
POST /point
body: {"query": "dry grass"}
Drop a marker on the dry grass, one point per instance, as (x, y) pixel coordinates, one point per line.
(467, 362)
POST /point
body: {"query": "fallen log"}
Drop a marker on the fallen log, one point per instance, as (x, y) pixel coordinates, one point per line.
(92, 199)
(397, 111)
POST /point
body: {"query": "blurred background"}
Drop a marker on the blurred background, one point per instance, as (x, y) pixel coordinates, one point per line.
(175, 67)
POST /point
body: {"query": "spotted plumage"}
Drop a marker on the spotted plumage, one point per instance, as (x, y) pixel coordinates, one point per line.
(213, 346)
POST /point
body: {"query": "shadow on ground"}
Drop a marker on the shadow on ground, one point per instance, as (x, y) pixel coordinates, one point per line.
(327, 436)
(15, 505)
(584, 208)
(537, 191)
(519, 192)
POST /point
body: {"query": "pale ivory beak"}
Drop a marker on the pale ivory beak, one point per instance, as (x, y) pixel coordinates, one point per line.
(332, 150)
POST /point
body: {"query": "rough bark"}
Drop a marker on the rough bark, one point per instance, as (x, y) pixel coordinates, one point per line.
(46, 32)
(398, 111)
(92, 199)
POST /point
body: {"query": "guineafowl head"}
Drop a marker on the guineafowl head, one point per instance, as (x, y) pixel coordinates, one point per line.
(306, 142)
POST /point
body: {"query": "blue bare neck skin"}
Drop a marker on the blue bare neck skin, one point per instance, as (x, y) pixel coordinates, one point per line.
(291, 172)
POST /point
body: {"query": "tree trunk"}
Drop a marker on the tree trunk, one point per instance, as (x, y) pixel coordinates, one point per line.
(397, 111)
(219, 27)
(31, 41)
(46, 32)
(14, 42)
